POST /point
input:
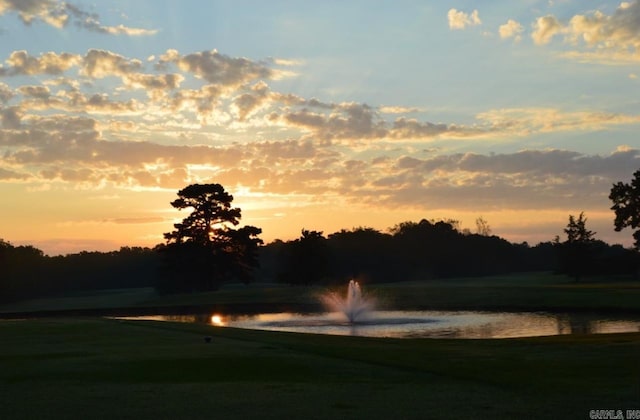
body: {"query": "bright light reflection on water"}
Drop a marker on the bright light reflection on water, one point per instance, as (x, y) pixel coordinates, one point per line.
(420, 324)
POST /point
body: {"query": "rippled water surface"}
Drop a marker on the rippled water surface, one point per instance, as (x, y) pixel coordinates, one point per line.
(413, 324)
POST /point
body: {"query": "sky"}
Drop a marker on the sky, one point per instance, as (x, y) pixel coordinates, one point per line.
(317, 115)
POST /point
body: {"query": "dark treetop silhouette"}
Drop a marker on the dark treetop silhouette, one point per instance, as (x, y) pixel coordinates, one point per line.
(206, 249)
(626, 205)
(578, 252)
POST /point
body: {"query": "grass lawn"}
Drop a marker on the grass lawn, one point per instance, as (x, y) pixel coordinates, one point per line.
(103, 368)
(523, 292)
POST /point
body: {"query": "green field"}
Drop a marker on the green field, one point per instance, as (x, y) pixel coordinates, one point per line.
(91, 367)
(522, 292)
(101, 368)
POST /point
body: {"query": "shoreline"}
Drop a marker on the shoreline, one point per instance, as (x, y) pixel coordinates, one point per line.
(257, 308)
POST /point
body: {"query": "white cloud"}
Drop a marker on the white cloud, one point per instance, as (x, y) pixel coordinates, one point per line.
(525, 121)
(59, 14)
(529, 179)
(10, 117)
(346, 121)
(511, 29)
(218, 68)
(22, 63)
(397, 110)
(48, 11)
(6, 93)
(460, 20)
(596, 36)
(545, 28)
(60, 130)
(247, 103)
(102, 63)
(157, 86)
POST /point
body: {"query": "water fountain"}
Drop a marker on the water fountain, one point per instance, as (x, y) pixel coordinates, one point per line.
(354, 306)
(358, 317)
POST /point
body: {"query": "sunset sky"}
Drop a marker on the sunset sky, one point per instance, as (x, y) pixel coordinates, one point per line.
(317, 115)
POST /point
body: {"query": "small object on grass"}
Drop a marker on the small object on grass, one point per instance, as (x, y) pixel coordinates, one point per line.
(207, 339)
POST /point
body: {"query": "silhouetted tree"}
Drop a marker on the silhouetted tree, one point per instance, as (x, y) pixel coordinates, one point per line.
(205, 249)
(305, 260)
(21, 269)
(91, 270)
(577, 231)
(482, 227)
(626, 205)
(426, 249)
(363, 253)
(577, 250)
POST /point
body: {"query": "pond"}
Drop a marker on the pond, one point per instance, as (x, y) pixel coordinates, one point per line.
(420, 324)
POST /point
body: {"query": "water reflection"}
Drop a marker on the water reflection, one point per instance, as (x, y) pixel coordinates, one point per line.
(217, 320)
(421, 324)
(602, 327)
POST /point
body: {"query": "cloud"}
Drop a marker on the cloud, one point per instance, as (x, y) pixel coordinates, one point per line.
(596, 36)
(298, 167)
(239, 79)
(529, 179)
(101, 63)
(20, 63)
(345, 121)
(511, 29)
(228, 92)
(270, 153)
(203, 101)
(72, 149)
(620, 30)
(59, 14)
(39, 92)
(126, 123)
(548, 163)
(351, 121)
(153, 83)
(135, 220)
(10, 117)
(460, 20)
(38, 98)
(545, 28)
(247, 103)
(409, 128)
(525, 121)
(8, 175)
(397, 110)
(91, 22)
(48, 11)
(218, 68)
(6, 93)
(95, 64)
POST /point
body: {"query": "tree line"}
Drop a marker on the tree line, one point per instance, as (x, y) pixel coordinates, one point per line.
(422, 250)
(208, 249)
(27, 272)
(431, 249)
